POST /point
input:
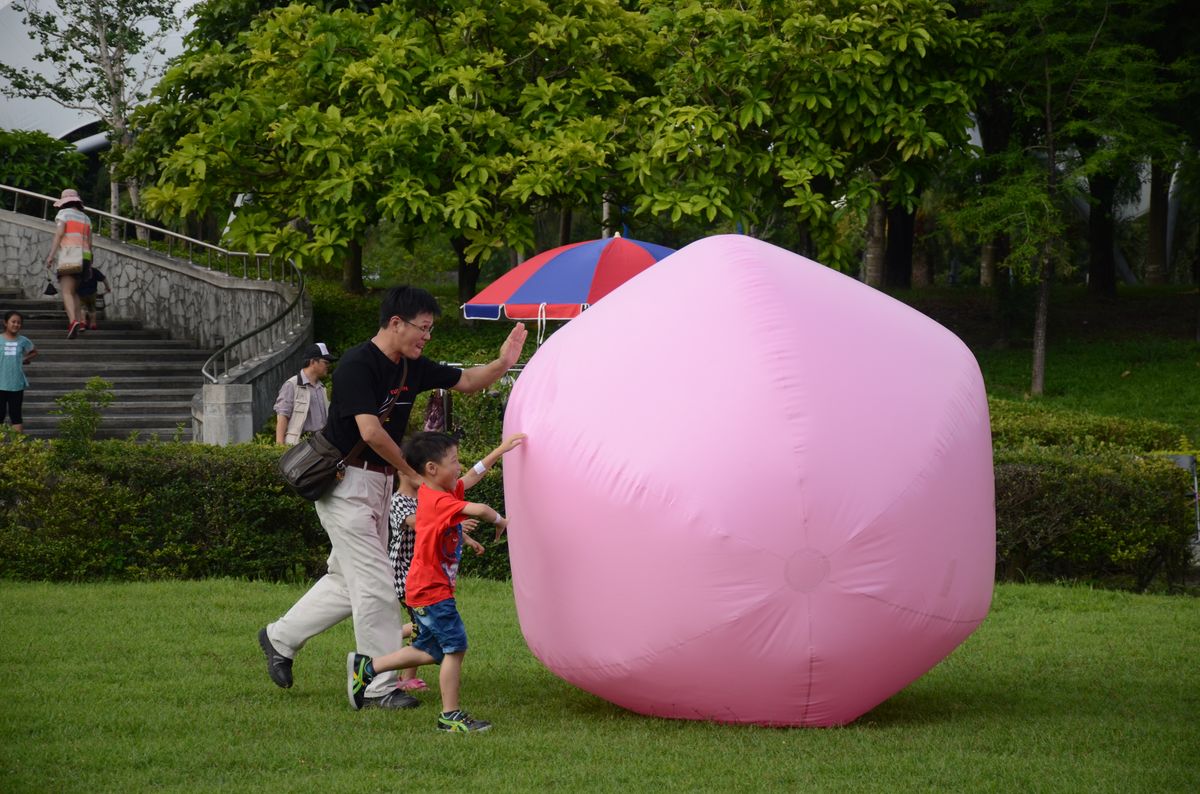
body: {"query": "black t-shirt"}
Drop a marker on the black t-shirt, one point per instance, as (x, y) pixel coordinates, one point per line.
(363, 383)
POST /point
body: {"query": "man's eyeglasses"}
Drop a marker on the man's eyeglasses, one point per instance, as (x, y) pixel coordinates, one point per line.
(426, 330)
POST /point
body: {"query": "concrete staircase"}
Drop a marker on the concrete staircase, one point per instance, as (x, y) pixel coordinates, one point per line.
(153, 377)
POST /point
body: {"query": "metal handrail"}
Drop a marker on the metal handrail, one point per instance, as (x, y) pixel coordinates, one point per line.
(252, 340)
(173, 238)
(230, 359)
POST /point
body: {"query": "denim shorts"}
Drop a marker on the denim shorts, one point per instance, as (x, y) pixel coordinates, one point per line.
(438, 630)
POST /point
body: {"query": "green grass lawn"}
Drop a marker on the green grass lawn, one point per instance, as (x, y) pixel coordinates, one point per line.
(131, 687)
(1142, 378)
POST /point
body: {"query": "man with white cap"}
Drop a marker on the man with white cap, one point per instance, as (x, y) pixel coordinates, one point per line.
(302, 406)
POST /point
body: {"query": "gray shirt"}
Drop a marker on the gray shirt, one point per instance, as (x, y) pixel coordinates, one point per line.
(318, 403)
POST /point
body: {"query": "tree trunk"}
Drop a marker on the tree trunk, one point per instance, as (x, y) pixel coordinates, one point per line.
(114, 203)
(987, 263)
(564, 227)
(898, 260)
(468, 272)
(352, 270)
(1156, 222)
(1102, 263)
(135, 201)
(922, 274)
(876, 230)
(1041, 318)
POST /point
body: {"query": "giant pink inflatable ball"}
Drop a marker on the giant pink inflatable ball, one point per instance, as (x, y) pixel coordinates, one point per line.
(754, 491)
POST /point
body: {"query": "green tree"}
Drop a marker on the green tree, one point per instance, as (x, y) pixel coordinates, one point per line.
(803, 112)
(101, 57)
(1075, 91)
(38, 162)
(461, 115)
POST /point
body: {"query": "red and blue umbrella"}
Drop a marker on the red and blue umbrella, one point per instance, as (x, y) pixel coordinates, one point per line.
(560, 283)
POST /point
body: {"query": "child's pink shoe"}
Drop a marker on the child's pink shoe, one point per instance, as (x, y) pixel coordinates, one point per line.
(410, 684)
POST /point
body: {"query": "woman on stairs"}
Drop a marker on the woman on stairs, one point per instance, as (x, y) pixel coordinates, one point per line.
(73, 244)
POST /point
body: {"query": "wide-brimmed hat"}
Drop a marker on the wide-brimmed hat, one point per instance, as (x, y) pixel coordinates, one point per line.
(68, 195)
(319, 350)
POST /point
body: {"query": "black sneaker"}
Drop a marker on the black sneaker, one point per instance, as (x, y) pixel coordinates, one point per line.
(357, 679)
(460, 722)
(279, 667)
(396, 699)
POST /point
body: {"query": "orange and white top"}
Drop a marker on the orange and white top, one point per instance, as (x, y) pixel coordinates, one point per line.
(76, 238)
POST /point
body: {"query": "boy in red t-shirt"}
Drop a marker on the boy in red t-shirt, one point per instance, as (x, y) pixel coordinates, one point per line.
(439, 636)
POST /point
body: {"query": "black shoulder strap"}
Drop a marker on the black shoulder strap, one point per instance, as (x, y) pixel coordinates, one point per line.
(352, 456)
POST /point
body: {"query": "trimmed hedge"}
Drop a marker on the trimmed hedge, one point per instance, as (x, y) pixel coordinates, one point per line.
(170, 510)
(1016, 423)
(152, 511)
(1092, 512)
(166, 510)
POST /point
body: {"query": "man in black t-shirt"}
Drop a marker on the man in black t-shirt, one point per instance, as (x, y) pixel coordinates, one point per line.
(355, 512)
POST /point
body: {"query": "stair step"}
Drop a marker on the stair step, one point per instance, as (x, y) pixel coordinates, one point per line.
(98, 362)
(44, 404)
(121, 383)
(109, 431)
(106, 368)
(40, 330)
(132, 420)
(112, 343)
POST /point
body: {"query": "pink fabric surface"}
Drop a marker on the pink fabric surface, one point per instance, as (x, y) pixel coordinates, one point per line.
(754, 490)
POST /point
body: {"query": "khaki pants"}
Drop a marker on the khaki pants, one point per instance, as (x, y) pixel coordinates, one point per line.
(359, 583)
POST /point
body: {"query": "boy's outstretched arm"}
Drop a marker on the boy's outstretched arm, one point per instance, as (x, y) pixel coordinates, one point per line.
(473, 475)
(489, 514)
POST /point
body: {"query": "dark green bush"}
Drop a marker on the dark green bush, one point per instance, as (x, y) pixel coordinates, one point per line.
(168, 510)
(1092, 512)
(153, 511)
(342, 320)
(1089, 511)
(1015, 423)
(39, 162)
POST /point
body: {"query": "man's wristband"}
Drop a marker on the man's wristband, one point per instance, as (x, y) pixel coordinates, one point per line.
(479, 468)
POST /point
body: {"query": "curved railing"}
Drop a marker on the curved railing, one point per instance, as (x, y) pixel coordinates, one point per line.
(250, 345)
(255, 343)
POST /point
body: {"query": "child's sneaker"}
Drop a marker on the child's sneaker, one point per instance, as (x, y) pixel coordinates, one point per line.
(460, 722)
(357, 678)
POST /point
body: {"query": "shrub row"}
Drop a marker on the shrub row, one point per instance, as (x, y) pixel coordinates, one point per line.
(168, 510)
(1092, 512)
(1017, 423)
(1096, 513)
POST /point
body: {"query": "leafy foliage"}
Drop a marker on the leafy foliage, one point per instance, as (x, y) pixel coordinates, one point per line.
(81, 412)
(152, 511)
(1015, 424)
(101, 57)
(457, 115)
(1092, 512)
(804, 110)
(475, 118)
(35, 161)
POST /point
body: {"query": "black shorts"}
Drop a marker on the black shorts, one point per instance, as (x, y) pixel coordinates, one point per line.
(10, 406)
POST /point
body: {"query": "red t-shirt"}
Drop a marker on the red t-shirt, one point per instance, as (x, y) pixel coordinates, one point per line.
(434, 569)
